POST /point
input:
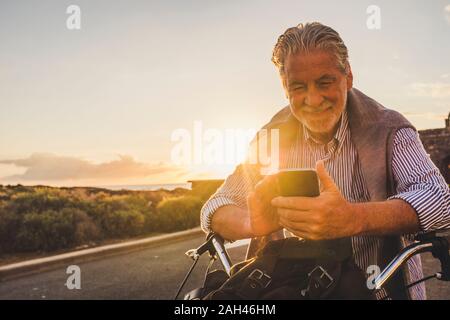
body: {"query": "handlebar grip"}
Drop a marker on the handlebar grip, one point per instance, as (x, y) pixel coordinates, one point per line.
(444, 234)
(440, 250)
(427, 236)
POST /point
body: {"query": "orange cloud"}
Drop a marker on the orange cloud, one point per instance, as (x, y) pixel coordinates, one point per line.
(51, 167)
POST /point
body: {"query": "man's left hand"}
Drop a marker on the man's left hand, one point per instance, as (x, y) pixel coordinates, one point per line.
(328, 216)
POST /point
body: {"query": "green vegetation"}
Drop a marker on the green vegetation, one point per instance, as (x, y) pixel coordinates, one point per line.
(42, 219)
(179, 213)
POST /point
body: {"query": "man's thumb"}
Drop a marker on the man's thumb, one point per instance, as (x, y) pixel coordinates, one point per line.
(326, 181)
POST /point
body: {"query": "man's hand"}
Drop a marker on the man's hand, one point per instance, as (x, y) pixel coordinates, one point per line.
(328, 216)
(263, 216)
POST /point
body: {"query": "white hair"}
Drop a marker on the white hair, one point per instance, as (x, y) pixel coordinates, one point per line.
(309, 37)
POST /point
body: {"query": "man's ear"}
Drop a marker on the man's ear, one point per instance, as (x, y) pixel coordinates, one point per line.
(284, 84)
(349, 77)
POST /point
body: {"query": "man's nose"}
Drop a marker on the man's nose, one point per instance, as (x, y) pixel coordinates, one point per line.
(313, 98)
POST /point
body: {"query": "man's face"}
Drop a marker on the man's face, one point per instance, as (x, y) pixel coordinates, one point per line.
(317, 90)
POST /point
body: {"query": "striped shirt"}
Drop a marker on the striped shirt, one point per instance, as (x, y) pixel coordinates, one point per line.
(418, 182)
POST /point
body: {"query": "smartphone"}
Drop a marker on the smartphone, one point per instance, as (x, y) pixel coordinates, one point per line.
(298, 183)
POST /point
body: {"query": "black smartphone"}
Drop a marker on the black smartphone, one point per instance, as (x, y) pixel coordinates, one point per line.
(298, 183)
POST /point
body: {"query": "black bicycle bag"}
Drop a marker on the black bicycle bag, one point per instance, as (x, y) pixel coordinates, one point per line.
(291, 269)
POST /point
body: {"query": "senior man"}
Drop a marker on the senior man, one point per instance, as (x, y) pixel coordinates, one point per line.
(377, 183)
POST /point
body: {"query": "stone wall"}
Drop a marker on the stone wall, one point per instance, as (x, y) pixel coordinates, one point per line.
(437, 144)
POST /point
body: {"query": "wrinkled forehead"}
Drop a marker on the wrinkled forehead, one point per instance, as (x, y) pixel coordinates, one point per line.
(310, 66)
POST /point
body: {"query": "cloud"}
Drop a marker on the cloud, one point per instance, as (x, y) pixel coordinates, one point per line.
(50, 167)
(447, 13)
(433, 89)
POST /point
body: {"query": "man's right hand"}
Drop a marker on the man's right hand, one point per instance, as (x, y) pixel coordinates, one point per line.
(263, 217)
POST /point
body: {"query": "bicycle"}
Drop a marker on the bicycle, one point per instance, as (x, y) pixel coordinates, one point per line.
(436, 242)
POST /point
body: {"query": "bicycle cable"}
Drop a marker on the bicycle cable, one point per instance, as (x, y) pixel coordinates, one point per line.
(414, 283)
(421, 280)
(211, 261)
(187, 276)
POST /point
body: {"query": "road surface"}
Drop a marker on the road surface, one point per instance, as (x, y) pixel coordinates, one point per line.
(152, 273)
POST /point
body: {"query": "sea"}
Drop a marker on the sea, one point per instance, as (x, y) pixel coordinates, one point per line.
(149, 187)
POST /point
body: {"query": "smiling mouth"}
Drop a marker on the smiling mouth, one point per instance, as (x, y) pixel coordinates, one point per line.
(316, 112)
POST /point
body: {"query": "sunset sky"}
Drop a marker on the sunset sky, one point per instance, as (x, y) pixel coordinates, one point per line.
(98, 106)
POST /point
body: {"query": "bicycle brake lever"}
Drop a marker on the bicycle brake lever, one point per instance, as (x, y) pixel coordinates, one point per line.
(192, 253)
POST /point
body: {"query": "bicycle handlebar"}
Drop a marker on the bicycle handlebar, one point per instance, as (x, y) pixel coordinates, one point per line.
(395, 264)
(436, 242)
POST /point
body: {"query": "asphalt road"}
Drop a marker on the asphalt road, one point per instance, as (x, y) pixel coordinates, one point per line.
(152, 273)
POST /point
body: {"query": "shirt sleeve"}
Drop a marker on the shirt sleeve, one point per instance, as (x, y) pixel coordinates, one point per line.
(233, 191)
(419, 182)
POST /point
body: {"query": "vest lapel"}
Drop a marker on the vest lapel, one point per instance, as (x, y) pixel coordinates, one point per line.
(370, 142)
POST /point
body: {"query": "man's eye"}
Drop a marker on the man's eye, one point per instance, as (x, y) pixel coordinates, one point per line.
(325, 84)
(296, 88)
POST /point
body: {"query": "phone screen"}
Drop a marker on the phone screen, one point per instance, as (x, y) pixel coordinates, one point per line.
(298, 183)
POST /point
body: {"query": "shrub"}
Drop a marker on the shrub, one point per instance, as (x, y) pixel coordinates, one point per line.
(47, 230)
(9, 226)
(45, 218)
(52, 230)
(39, 200)
(122, 223)
(178, 213)
(85, 228)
